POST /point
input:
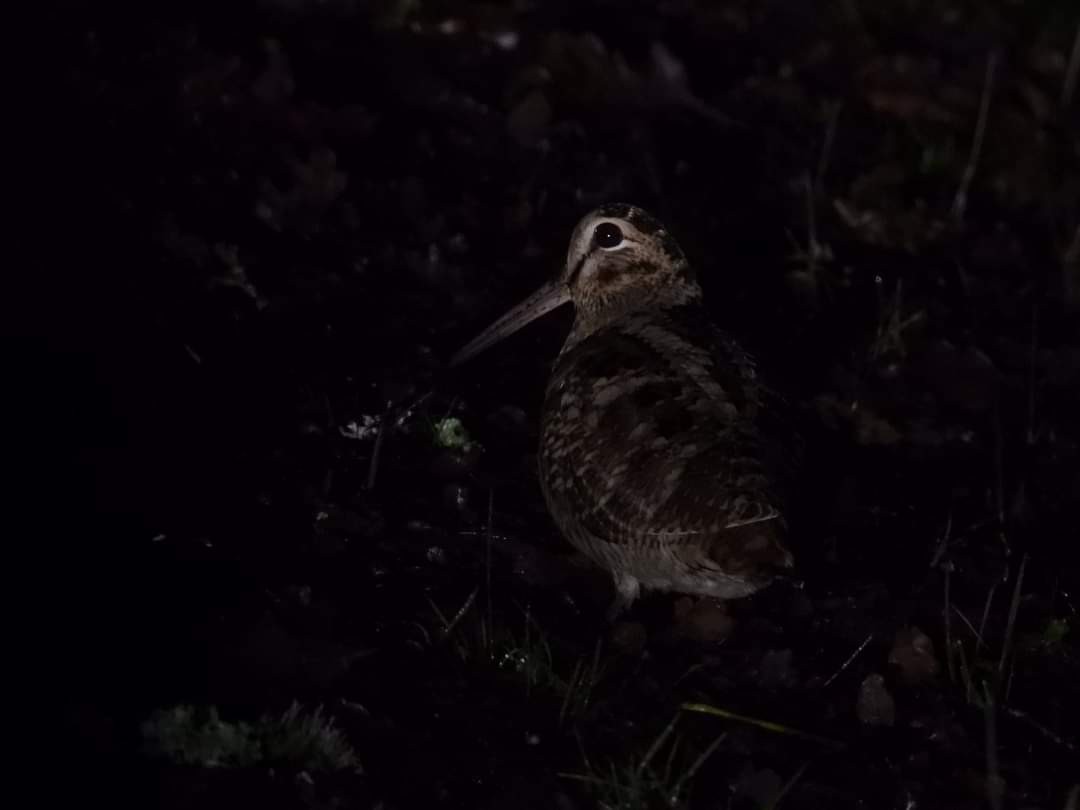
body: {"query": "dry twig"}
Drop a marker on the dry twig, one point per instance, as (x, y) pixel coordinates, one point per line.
(960, 200)
(1072, 72)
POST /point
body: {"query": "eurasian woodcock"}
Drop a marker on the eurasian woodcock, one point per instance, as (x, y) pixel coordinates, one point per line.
(652, 456)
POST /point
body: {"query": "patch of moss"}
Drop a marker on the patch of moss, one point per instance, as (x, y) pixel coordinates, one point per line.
(305, 740)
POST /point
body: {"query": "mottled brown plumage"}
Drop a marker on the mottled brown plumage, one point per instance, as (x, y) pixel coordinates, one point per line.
(652, 457)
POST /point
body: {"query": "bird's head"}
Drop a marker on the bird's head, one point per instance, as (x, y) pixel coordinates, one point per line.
(620, 261)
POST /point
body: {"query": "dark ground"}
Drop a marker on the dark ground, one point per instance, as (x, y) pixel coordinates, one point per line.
(268, 225)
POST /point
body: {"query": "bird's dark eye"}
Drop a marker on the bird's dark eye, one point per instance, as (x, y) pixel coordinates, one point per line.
(607, 235)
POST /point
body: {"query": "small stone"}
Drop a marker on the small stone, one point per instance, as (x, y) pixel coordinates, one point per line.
(875, 706)
(913, 654)
(705, 621)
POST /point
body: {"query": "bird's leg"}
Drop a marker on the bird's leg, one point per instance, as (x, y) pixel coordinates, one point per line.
(627, 589)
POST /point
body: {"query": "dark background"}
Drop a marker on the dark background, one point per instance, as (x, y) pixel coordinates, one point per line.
(260, 226)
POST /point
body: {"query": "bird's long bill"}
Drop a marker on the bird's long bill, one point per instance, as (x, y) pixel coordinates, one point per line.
(550, 296)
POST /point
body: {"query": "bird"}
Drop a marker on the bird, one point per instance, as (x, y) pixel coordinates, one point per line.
(654, 457)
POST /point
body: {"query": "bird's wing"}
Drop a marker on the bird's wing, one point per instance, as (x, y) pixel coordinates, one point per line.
(651, 435)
